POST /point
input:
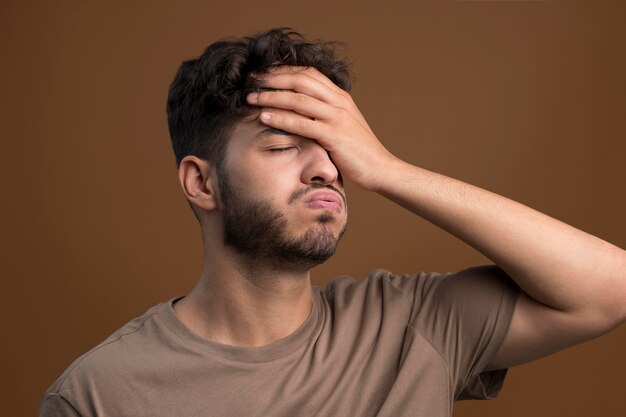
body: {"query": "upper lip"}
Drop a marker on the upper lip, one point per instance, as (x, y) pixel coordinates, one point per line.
(325, 196)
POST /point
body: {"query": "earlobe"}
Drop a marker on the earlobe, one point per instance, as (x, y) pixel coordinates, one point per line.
(194, 175)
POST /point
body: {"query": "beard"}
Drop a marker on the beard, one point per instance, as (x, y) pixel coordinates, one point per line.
(257, 230)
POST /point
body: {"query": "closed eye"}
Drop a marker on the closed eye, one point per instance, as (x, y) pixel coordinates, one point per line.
(284, 149)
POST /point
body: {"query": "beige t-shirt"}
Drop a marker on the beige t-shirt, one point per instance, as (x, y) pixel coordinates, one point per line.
(385, 345)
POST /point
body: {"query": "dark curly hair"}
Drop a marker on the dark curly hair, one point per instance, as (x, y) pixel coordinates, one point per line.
(208, 94)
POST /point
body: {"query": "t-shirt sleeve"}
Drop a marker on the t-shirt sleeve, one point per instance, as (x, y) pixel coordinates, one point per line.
(54, 405)
(465, 316)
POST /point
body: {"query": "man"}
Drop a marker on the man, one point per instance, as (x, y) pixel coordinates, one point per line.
(264, 134)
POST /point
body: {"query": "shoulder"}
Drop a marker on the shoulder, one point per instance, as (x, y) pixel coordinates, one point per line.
(381, 284)
(474, 291)
(424, 300)
(478, 281)
(120, 351)
(381, 296)
(378, 280)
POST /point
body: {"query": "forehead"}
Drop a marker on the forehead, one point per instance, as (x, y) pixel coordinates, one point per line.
(248, 126)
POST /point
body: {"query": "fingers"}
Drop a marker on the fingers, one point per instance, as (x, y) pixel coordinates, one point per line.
(295, 123)
(308, 71)
(308, 81)
(303, 90)
(305, 102)
(288, 100)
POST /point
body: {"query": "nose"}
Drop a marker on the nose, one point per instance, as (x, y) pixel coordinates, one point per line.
(319, 167)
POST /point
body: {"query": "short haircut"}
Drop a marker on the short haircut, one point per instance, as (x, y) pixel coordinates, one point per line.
(208, 94)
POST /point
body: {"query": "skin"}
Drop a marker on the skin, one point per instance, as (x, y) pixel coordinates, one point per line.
(573, 284)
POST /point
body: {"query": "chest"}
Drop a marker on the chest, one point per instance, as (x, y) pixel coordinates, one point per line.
(386, 378)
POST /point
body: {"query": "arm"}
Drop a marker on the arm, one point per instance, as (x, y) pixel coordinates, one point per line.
(574, 284)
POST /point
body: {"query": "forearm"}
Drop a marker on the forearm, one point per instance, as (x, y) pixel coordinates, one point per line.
(554, 263)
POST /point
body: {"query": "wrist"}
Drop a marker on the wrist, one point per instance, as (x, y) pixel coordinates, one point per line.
(389, 173)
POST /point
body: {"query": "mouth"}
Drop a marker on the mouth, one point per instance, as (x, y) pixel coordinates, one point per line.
(326, 200)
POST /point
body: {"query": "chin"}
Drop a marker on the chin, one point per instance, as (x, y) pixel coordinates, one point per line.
(329, 223)
(325, 218)
(312, 248)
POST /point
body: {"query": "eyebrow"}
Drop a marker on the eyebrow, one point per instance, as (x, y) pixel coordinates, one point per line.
(270, 131)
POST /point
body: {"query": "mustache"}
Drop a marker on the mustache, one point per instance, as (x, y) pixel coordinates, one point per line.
(313, 187)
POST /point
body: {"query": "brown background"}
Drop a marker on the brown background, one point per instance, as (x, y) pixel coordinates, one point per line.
(525, 98)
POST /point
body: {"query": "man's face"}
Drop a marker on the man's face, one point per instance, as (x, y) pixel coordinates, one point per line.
(282, 197)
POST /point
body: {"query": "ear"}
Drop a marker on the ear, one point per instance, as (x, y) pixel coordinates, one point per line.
(197, 179)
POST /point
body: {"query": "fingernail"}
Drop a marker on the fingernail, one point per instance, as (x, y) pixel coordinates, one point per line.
(266, 117)
(253, 97)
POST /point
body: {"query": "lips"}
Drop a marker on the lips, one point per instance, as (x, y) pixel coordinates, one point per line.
(324, 200)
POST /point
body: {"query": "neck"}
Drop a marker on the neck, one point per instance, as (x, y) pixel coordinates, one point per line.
(243, 303)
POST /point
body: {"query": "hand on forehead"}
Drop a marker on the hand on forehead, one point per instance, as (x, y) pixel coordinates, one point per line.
(303, 90)
(303, 101)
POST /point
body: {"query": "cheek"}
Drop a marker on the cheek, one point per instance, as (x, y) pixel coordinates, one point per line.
(263, 181)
